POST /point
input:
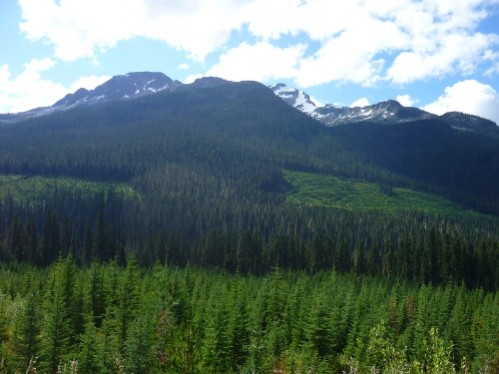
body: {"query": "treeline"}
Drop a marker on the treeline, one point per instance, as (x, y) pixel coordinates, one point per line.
(250, 239)
(110, 319)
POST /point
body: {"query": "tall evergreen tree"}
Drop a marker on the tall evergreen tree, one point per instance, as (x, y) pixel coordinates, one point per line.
(27, 331)
(56, 327)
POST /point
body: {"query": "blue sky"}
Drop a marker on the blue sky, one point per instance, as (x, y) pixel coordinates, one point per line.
(439, 55)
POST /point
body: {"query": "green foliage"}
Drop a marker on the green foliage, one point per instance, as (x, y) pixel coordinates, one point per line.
(335, 192)
(57, 332)
(193, 320)
(128, 221)
(34, 189)
(27, 327)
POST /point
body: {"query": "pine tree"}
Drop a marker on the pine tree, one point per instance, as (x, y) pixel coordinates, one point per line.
(91, 350)
(139, 344)
(97, 295)
(436, 358)
(128, 299)
(27, 331)
(100, 240)
(56, 328)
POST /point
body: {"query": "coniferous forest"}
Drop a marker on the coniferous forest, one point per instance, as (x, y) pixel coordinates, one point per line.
(157, 235)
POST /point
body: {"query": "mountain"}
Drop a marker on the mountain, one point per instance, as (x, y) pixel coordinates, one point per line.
(200, 174)
(120, 87)
(468, 122)
(387, 112)
(138, 84)
(226, 178)
(454, 154)
(245, 123)
(296, 98)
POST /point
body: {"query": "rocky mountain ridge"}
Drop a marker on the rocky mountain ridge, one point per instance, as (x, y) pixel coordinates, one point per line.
(387, 112)
(118, 88)
(138, 84)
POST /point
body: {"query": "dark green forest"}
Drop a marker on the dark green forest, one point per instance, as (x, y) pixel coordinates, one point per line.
(156, 235)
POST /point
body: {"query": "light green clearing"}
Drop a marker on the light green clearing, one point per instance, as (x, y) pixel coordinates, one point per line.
(329, 191)
(34, 188)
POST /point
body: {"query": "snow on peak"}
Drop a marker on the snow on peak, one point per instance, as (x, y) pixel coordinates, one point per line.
(296, 98)
(387, 112)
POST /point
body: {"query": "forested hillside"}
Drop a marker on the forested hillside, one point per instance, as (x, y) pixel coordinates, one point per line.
(202, 178)
(458, 163)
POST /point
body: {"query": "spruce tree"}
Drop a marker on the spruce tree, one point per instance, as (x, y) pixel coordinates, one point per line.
(56, 328)
(27, 331)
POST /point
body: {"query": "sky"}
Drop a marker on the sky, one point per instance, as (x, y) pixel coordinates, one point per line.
(438, 55)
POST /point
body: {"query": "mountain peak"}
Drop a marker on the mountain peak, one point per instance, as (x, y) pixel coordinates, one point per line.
(205, 82)
(385, 112)
(296, 98)
(390, 103)
(119, 87)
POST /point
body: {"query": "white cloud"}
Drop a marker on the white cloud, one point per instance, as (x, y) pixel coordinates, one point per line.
(4, 74)
(350, 57)
(456, 53)
(405, 100)
(83, 28)
(191, 78)
(493, 57)
(89, 82)
(469, 96)
(183, 66)
(78, 29)
(365, 42)
(261, 62)
(360, 102)
(29, 89)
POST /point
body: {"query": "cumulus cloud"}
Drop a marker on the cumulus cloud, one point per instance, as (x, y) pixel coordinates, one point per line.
(29, 89)
(360, 102)
(83, 28)
(457, 53)
(261, 61)
(468, 96)
(89, 82)
(351, 56)
(359, 41)
(405, 100)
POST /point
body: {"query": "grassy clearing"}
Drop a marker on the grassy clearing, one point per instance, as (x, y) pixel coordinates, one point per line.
(329, 191)
(35, 188)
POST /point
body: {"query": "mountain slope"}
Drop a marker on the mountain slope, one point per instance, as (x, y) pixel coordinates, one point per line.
(227, 127)
(200, 175)
(459, 164)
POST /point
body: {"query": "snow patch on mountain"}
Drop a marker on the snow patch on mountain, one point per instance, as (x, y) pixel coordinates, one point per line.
(296, 98)
(120, 87)
(386, 112)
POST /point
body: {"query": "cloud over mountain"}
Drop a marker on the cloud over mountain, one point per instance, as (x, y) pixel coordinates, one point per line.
(468, 96)
(358, 41)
